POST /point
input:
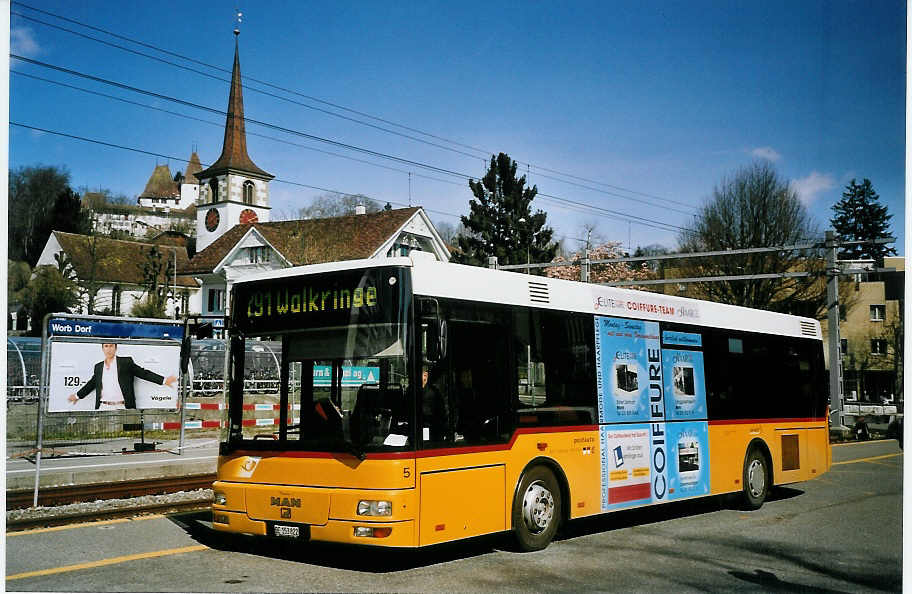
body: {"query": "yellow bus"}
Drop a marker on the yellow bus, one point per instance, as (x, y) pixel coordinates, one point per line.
(423, 402)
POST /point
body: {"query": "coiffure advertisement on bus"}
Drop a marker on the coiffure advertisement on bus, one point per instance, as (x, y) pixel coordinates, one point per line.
(645, 392)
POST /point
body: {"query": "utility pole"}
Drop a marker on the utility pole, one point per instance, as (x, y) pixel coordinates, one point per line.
(832, 270)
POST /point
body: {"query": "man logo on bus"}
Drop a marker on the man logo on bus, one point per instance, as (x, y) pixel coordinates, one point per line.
(284, 502)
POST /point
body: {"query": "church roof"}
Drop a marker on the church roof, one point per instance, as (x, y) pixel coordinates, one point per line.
(193, 167)
(116, 260)
(160, 184)
(234, 148)
(310, 241)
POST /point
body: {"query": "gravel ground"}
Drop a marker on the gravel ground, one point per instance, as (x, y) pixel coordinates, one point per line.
(38, 513)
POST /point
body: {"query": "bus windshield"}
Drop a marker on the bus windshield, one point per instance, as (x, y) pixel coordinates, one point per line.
(345, 382)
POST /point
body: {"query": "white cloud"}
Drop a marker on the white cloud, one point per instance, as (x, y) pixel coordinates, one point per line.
(766, 152)
(809, 187)
(22, 42)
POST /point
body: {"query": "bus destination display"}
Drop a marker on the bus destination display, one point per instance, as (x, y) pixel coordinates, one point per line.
(317, 300)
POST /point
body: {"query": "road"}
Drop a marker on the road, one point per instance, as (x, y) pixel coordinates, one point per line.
(840, 532)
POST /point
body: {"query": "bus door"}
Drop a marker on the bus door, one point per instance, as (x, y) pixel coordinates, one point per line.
(465, 403)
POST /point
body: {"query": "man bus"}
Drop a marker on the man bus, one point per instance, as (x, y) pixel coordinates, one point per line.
(553, 400)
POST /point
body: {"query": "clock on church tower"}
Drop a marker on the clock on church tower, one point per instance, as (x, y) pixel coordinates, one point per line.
(212, 220)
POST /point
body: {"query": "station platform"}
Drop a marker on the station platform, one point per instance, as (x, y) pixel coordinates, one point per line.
(109, 462)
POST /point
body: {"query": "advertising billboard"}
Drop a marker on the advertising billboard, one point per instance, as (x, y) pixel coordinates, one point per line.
(113, 376)
(113, 364)
(652, 402)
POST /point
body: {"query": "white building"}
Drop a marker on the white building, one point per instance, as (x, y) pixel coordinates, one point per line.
(164, 192)
(113, 270)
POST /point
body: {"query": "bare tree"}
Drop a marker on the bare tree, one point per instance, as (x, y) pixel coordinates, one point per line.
(756, 208)
(89, 285)
(449, 232)
(333, 204)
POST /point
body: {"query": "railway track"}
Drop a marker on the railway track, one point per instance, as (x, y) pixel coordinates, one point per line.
(55, 496)
(19, 524)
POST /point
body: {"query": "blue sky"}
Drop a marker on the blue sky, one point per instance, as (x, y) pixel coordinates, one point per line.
(652, 105)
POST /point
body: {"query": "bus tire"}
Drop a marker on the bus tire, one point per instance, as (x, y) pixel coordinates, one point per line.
(536, 509)
(756, 479)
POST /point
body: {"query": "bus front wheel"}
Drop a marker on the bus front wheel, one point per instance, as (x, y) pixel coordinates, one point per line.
(536, 509)
(756, 479)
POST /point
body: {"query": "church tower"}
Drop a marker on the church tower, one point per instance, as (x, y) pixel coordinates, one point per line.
(233, 189)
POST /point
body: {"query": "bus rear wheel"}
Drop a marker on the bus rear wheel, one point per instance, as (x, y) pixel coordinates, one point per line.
(536, 509)
(756, 479)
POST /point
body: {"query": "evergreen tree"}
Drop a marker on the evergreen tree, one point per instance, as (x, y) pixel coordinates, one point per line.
(859, 215)
(501, 222)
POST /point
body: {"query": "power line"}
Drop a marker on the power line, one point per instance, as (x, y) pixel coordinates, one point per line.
(254, 89)
(279, 180)
(246, 119)
(324, 102)
(181, 159)
(591, 181)
(221, 125)
(624, 216)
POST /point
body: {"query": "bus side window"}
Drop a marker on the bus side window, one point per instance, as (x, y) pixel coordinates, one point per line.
(555, 360)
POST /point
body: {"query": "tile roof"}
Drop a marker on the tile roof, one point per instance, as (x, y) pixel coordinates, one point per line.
(160, 184)
(118, 261)
(234, 148)
(310, 241)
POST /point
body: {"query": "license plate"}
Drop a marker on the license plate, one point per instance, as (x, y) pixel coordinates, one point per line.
(288, 531)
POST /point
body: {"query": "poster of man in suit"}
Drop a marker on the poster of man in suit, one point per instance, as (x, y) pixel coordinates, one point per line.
(128, 376)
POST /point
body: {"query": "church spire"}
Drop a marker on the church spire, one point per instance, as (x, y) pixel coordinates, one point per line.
(234, 147)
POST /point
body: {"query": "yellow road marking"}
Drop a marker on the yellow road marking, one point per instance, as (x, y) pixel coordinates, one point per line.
(83, 525)
(882, 464)
(851, 443)
(103, 562)
(867, 459)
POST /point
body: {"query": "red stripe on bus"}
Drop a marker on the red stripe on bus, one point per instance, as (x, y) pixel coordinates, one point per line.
(778, 421)
(427, 453)
(628, 493)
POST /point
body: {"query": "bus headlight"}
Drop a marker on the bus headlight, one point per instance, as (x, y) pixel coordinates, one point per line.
(369, 507)
(220, 498)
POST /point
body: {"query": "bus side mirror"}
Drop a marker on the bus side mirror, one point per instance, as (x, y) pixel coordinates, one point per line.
(435, 337)
(435, 330)
(442, 339)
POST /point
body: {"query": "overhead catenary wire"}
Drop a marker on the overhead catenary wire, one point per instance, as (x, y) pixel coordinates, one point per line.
(328, 103)
(247, 87)
(181, 159)
(222, 125)
(278, 180)
(378, 154)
